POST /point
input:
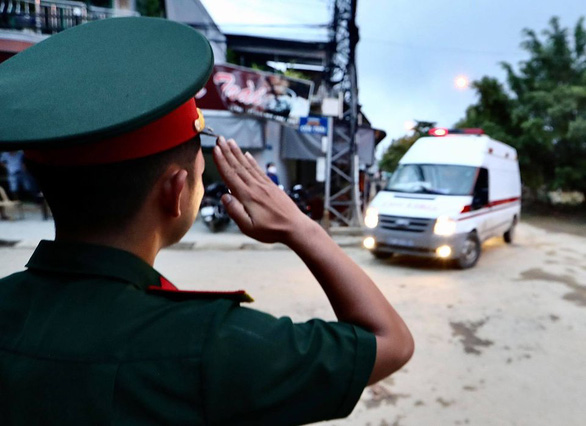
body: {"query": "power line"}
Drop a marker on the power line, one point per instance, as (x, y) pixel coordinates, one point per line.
(316, 26)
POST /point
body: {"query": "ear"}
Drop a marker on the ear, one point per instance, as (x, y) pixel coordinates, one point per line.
(175, 182)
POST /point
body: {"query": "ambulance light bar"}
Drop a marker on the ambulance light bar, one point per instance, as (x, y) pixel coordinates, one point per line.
(440, 131)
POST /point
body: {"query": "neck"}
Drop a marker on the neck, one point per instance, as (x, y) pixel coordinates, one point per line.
(144, 245)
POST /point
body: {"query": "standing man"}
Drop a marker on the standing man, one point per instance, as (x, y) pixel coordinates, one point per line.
(18, 179)
(272, 173)
(91, 333)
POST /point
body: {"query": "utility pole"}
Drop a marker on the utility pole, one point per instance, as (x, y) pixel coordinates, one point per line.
(342, 200)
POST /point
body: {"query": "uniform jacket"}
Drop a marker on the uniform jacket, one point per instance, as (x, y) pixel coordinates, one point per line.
(94, 335)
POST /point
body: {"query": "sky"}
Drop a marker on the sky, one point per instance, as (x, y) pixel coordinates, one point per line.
(410, 51)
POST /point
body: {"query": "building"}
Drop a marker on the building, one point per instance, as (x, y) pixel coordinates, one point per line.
(260, 108)
(26, 22)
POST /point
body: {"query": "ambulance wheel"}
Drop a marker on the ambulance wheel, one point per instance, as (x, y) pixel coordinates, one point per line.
(510, 234)
(470, 252)
(381, 254)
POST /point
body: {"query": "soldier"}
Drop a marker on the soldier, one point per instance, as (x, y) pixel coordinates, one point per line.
(90, 332)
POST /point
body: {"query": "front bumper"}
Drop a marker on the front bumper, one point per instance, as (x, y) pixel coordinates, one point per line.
(415, 243)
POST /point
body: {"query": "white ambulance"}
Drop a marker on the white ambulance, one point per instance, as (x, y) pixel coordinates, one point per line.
(452, 191)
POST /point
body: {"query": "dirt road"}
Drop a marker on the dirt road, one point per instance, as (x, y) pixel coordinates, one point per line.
(501, 344)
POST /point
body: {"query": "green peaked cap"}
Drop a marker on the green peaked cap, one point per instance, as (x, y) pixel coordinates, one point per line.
(99, 80)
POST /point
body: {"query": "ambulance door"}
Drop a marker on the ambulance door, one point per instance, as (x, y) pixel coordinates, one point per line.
(481, 204)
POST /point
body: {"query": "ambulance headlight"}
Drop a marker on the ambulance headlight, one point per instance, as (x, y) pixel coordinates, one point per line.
(445, 226)
(371, 217)
(369, 243)
(443, 251)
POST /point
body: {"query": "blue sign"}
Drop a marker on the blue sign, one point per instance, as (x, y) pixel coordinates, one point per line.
(313, 125)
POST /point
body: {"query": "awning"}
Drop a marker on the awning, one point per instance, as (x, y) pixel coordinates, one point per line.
(300, 146)
(248, 131)
(303, 146)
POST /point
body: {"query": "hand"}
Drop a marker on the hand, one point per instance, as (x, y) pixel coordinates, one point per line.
(260, 208)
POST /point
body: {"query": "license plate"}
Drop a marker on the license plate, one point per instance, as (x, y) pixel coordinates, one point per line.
(400, 242)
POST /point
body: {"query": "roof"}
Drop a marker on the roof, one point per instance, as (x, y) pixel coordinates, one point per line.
(266, 49)
(469, 150)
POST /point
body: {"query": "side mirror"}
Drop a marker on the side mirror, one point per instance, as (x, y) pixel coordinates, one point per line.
(480, 199)
(476, 202)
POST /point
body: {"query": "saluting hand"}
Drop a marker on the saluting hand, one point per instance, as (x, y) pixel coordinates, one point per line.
(260, 208)
(264, 212)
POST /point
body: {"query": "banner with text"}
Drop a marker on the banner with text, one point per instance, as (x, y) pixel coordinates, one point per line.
(253, 92)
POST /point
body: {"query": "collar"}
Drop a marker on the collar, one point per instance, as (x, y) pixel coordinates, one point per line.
(74, 258)
(93, 260)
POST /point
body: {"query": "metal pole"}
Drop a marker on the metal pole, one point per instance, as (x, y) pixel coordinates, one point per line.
(357, 216)
(38, 16)
(328, 186)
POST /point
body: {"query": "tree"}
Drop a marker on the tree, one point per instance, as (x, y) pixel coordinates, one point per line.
(399, 147)
(543, 112)
(150, 8)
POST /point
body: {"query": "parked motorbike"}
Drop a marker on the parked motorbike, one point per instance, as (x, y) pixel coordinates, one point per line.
(299, 196)
(212, 210)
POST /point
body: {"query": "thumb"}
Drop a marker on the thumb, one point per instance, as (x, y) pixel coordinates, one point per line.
(236, 211)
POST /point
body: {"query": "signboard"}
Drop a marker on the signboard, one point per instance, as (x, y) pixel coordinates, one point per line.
(314, 125)
(248, 91)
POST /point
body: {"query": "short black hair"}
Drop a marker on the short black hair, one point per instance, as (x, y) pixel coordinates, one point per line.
(106, 197)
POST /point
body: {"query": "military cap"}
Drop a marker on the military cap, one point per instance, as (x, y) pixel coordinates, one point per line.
(106, 91)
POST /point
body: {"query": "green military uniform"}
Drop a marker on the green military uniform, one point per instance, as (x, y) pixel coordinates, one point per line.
(87, 339)
(94, 335)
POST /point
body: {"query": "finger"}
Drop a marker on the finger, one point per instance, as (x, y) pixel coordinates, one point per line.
(229, 175)
(257, 170)
(234, 162)
(237, 152)
(237, 212)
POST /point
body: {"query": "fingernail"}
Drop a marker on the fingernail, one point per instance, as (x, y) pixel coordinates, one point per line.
(217, 150)
(248, 154)
(232, 143)
(227, 199)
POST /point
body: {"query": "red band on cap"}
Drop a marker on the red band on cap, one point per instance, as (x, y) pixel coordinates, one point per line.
(165, 133)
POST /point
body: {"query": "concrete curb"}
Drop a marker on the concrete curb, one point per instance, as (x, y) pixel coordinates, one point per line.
(345, 242)
(26, 234)
(219, 245)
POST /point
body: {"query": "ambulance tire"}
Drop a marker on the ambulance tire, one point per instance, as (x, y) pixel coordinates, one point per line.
(382, 255)
(509, 236)
(470, 252)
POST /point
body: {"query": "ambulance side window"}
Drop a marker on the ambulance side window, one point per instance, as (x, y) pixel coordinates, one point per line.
(480, 196)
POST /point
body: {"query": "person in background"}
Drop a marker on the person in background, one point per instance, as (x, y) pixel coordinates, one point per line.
(19, 181)
(21, 184)
(272, 173)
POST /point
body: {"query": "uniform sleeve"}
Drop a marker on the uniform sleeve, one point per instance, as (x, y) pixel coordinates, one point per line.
(261, 370)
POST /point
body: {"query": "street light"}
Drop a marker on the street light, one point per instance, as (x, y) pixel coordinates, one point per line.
(409, 125)
(461, 82)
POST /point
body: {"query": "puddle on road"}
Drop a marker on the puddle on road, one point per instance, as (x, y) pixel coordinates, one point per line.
(444, 403)
(578, 293)
(379, 394)
(467, 332)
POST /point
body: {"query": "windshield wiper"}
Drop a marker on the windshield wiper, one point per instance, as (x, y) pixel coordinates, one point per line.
(430, 191)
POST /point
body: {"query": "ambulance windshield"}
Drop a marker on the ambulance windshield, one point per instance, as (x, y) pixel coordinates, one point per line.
(433, 179)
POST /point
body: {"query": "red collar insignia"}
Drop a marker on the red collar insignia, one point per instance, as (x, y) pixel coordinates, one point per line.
(169, 289)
